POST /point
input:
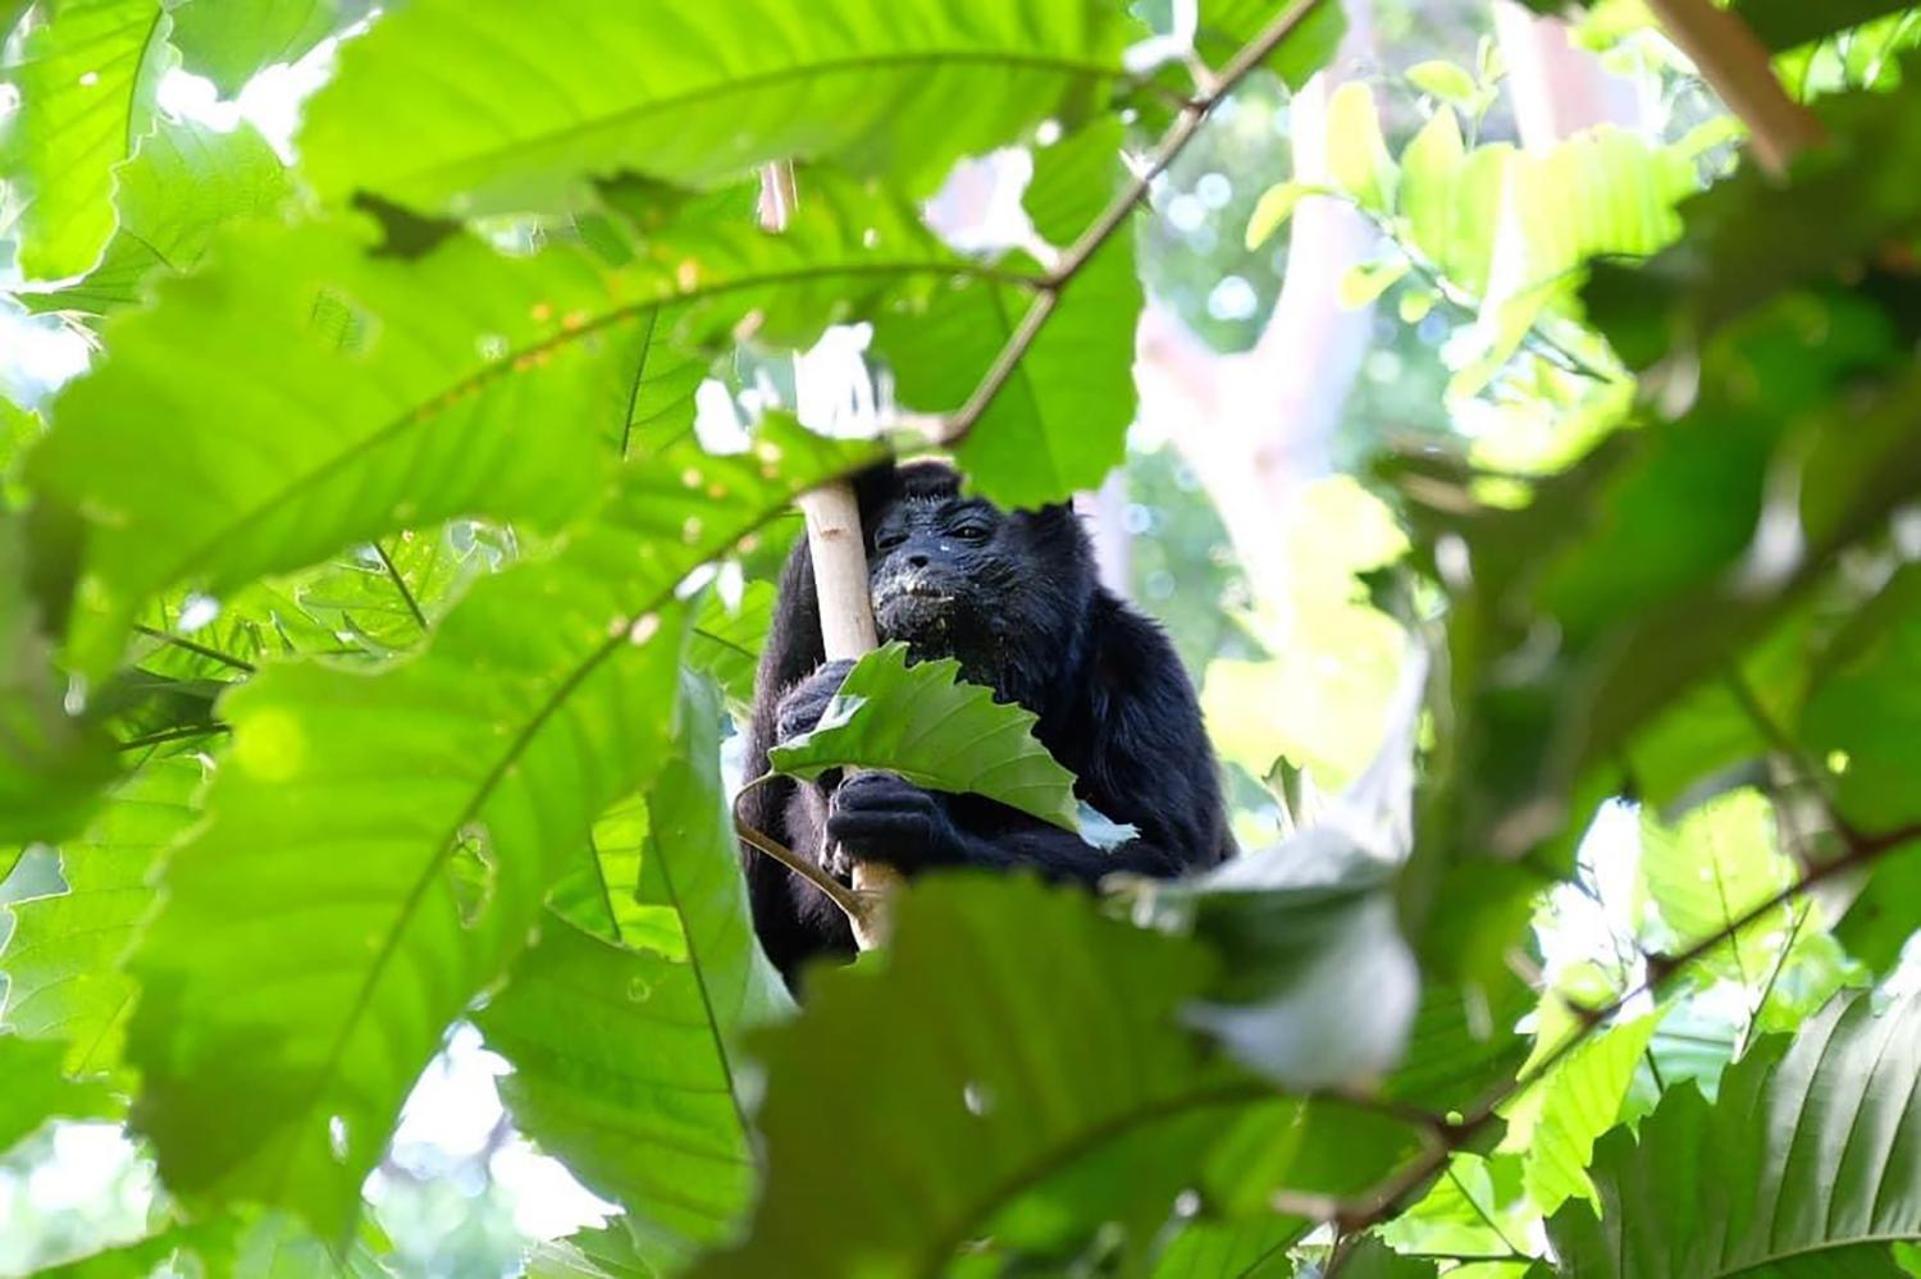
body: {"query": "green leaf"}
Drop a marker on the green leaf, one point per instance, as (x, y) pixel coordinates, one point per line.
(1074, 180)
(1024, 1080)
(1554, 1123)
(378, 847)
(1805, 1165)
(37, 1091)
(1372, 1259)
(229, 40)
(874, 86)
(625, 1055)
(86, 79)
(1060, 422)
(1226, 25)
(1272, 211)
(1357, 158)
(726, 642)
(1784, 24)
(63, 960)
(1447, 81)
(1451, 198)
(52, 765)
(187, 181)
(320, 393)
(1239, 1250)
(1363, 284)
(926, 724)
(1864, 712)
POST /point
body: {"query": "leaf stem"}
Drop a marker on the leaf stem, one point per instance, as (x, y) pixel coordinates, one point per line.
(1736, 65)
(196, 648)
(400, 584)
(1186, 124)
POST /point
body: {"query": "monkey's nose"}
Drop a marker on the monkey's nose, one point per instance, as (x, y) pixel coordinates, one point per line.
(917, 560)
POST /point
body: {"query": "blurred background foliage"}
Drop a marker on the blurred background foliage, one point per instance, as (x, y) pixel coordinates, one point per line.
(1387, 262)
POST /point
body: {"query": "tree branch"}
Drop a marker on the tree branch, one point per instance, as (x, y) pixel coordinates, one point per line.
(1186, 124)
(1736, 64)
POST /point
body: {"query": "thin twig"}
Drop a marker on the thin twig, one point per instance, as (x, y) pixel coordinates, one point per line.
(178, 733)
(1186, 124)
(196, 648)
(854, 904)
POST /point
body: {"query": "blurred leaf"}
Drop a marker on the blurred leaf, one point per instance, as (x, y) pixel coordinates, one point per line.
(1226, 25)
(188, 180)
(1880, 920)
(1357, 158)
(229, 40)
(702, 99)
(37, 1090)
(86, 79)
(726, 642)
(1804, 1165)
(934, 729)
(1783, 24)
(1445, 80)
(1372, 1259)
(52, 765)
(1319, 989)
(1060, 422)
(1011, 1070)
(1272, 211)
(63, 959)
(1451, 198)
(1863, 716)
(1240, 1250)
(1363, 284)
(442, 797)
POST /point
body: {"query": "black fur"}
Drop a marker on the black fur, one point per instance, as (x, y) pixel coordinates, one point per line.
(1015, 599)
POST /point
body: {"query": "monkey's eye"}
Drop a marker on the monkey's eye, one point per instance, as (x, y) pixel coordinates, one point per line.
(888, 540)
(972, 532)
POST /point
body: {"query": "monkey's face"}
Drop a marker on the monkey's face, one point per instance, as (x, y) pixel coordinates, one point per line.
(935, 565)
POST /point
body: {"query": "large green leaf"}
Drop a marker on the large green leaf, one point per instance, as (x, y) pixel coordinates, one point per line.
(726, 642)
(228, 40)
(378, 847)
(1060, 422)
(86, 79)
(63, 960)
(924, 723)
(1864, 713)
(321, 393)
(187, 181)
(691, 94)
(1012, 1070)
(624, 1050)
(1808, 1162)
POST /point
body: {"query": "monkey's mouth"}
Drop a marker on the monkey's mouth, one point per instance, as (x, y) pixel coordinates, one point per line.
(907, 609)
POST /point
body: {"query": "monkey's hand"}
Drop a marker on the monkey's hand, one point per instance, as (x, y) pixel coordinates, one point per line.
(803, 704)
(877, 817)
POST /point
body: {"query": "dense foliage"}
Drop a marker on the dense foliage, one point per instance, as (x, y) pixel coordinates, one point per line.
(371, 612)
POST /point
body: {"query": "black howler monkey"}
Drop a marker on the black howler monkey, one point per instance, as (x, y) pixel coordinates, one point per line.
(1014, 598)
